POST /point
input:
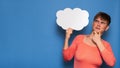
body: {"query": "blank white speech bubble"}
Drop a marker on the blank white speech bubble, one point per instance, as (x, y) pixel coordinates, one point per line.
(75, 18)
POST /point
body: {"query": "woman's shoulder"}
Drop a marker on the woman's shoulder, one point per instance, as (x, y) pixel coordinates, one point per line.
(106, 43)
(80, 37)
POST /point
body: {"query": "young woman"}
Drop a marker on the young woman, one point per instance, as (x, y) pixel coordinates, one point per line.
(89, 51)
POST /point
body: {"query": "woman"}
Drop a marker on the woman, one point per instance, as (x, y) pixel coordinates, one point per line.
(89, 51)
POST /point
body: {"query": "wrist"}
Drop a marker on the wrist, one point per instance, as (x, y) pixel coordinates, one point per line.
(99, 41)
(100, 46)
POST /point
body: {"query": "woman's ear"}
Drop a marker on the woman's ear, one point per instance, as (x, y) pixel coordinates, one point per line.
(107, 28)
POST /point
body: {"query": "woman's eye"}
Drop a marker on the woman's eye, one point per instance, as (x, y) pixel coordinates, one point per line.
(96, 20)
(103, 22)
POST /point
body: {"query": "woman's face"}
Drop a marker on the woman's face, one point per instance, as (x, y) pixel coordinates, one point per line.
(100, 25)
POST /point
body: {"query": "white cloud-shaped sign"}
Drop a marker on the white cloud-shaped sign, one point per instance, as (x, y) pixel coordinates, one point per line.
(75, 18)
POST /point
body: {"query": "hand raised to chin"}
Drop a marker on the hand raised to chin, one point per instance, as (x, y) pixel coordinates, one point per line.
(96, 38)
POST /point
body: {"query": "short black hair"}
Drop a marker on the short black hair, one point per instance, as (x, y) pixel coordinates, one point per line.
(103, 16)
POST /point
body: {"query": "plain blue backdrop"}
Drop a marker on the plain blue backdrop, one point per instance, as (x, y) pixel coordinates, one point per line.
(30, 37)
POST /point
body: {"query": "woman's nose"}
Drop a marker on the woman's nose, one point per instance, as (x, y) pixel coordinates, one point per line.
(98, 24)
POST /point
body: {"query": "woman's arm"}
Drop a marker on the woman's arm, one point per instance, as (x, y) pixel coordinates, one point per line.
(105, 49)
(68, 52)
(108, 55)
(68, 33)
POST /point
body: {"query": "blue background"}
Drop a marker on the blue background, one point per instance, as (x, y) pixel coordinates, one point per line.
(30, 37)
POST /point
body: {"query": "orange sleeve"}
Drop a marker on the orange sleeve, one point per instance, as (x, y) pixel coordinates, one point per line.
(70, 51)
(108, 55)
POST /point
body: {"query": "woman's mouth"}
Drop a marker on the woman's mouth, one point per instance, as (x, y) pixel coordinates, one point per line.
(97, 28)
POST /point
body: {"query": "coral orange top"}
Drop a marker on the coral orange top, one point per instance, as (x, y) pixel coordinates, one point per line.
(86, 56)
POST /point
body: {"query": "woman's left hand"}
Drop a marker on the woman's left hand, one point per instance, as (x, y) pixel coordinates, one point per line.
(96, 37)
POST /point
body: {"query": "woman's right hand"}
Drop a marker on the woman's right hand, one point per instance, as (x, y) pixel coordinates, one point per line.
(69, 31)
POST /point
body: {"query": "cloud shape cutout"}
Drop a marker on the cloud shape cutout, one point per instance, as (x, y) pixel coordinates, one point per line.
(75, 18)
